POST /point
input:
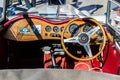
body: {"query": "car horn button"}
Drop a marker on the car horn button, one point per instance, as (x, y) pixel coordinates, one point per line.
(83, 38)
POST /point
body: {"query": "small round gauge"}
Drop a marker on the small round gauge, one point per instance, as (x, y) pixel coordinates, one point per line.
(48, 28)
(62, 28)
(87, 27)
(74, 28)
(55, 29)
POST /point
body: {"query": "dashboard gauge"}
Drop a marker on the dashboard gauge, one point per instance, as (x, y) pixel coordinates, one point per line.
(62, 28)
(48, 28)
(55, 29)
(87, 27)
(74, 28)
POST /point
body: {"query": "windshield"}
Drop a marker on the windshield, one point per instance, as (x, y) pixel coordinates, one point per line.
(73, 8)
(55, 11)
(57, 8)
(113, 16)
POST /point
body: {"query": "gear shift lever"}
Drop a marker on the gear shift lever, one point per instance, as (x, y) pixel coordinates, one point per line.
(54, 65)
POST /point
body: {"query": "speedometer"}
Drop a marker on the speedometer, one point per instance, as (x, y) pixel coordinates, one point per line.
(74, 28)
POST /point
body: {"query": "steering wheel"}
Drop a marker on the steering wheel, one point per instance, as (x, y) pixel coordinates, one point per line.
(84, 39)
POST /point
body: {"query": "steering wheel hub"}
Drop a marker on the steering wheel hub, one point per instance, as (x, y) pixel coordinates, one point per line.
(83, 38)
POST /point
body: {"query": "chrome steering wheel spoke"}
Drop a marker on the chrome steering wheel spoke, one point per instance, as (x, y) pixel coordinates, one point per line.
(93, 31)
(71, 40)
(88, 49)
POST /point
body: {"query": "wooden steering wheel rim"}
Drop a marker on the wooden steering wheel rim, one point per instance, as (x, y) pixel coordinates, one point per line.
(84, 59)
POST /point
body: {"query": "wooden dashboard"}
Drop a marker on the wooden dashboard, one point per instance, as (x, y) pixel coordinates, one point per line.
(39, 29)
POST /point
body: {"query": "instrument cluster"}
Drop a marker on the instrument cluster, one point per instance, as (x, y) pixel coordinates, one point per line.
(73, 28)
(54, 29)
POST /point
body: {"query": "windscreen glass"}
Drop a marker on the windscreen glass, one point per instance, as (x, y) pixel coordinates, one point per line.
(113, 17)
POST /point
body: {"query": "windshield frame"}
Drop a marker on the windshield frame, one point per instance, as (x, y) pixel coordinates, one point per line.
(108, 19)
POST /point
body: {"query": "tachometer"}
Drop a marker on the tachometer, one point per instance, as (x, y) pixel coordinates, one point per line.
(87, 27)
(74, 28)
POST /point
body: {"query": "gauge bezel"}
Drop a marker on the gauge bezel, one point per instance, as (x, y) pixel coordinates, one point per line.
(88, 27)
(48, 30)
(71, 26)
(55, 29)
